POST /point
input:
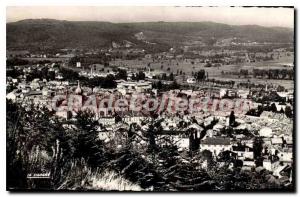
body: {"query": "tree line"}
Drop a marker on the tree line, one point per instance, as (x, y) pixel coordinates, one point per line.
(274, 73)
(284, 74)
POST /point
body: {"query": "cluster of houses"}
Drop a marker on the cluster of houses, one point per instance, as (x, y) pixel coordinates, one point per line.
(197, 130)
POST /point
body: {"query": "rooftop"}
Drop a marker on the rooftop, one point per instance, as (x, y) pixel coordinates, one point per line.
(216, 141)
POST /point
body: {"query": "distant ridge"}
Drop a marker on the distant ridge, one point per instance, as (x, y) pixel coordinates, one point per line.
(51, 33)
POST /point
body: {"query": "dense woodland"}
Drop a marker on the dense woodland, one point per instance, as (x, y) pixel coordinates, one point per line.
(49, 34)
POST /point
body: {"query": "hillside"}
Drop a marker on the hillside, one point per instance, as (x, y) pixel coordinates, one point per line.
(49, 33)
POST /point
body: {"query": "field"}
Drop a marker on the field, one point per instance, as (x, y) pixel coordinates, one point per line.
(189, 66)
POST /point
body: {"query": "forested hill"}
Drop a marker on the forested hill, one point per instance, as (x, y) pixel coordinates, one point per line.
(49, 33)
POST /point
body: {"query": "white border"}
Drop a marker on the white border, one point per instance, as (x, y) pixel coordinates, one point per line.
(5, 3)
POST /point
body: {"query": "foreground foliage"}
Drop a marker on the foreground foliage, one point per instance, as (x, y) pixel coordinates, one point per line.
(77, 159)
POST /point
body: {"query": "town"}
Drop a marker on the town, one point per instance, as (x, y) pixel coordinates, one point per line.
(211, 115)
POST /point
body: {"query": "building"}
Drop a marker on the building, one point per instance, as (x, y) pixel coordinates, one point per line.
(243, 152)
(12, 95)
(191, 80)
(105, 121)
(125, 87)
(277, 141)
(35, 85)
(133, 119)
(78, 90)
(286, 155)
(65, 114)
(216, 144)
(265, 132)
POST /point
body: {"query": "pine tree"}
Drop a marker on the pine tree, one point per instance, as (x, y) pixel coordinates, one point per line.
(87, 144)
(288, 112)
(231, 119)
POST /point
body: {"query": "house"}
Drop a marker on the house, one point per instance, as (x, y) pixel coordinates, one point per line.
(26, 90)
(107, 121)
(216, 144)
(218, 127)
(246, 168)
(247, 141)
(265, 132)
(267, 164)
(243, 152)
(12, 95)
(125, 87)
(34, 85)
(243, 94)
(183, 142)
(191, 80)
(267, 142)
(223, 92)
(65, 114)
(288, 141)
(249, 163)
(210, 133)
(277, 141)
(104, 135)
(286, 155)
(133, 119)
(196, 127)
(15, 81)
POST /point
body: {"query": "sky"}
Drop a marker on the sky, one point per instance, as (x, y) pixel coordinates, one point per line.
(282, 17)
